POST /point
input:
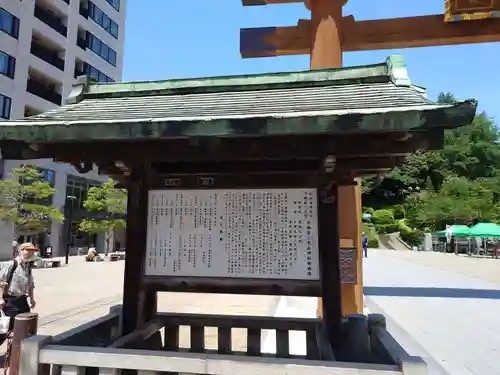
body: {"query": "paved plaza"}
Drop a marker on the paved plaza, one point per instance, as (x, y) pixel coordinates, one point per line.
(75, 294)
(441, 307)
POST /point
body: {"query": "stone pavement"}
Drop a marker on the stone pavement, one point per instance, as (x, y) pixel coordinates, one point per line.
(439, 306)
(79, 292)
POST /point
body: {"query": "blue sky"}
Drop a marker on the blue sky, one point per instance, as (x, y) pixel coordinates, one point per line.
(195, 38)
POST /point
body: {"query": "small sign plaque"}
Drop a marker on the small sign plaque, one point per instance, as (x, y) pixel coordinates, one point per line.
(469, 10)
(348, 266)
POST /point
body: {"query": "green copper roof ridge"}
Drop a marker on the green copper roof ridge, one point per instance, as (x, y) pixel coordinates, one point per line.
(398, 71)
(355, 74)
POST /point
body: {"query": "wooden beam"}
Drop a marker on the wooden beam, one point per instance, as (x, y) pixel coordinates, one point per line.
(275, 41)
(248, 3)
(432, 31)
(393, 33)
(363, 145)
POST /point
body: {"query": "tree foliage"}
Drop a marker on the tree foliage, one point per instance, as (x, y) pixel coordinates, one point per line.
(459, 184)
(25, 200)
(109, 204)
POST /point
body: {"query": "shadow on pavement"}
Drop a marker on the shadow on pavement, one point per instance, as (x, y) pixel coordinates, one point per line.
(431, 292)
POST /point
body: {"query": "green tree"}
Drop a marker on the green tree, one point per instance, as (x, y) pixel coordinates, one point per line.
(26, 201)
(471, 152)
(107, 206)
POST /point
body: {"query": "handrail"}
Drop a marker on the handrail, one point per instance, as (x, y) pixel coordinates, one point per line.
(141, 334)
(198, 363)
(383, 343)
(75, 334)
(239, 321)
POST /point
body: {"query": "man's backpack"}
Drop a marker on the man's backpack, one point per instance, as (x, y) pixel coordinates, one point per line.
(9, 277)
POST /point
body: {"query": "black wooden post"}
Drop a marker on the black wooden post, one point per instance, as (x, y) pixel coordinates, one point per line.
(70, 201)
(329, 244)
(139, 304)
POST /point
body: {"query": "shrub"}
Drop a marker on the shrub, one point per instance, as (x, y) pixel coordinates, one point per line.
(373, 242)
(398, 211)
(387, 228)
(413, 238)
(403, 227)
(369, 210)
(382, 217)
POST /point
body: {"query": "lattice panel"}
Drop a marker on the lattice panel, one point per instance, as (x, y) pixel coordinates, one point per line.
(233, 233)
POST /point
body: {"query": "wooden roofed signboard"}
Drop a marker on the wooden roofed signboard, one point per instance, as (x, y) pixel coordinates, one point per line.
(304, 114)
(469, 10)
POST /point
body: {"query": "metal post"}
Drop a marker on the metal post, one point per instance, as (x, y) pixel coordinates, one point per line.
(25, 325)
(69, 200)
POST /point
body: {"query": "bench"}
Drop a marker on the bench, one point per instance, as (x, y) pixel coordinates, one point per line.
(47, 263)
(54, 263)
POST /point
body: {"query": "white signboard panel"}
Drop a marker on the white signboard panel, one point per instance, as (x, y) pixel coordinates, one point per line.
(233, 233)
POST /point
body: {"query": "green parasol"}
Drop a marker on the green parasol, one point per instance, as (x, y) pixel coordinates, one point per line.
(456, 230)
(485, 230)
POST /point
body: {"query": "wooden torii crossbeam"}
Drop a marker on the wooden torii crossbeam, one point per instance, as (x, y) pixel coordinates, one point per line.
(391, 33)
(329, 33)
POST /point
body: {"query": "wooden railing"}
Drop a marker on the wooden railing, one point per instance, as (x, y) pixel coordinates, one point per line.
(157, 348)
(99, 332)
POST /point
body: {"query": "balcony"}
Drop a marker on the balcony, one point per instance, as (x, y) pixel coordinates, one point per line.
(39, 89)
(79, 72)
(46, 55)
(28, 111)
(81, 42)
(51, 20)
(84, 12)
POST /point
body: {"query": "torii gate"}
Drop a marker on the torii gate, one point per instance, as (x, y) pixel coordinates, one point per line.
(328, 33)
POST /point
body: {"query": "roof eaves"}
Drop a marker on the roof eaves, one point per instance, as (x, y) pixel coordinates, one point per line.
(467, 107)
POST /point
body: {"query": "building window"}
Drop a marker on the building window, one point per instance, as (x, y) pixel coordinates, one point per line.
(114, 3)
(96, 74)
(5, 104)
(100, 48)
(9, 23)
(103, 20)
(7, 65)
(78, 187)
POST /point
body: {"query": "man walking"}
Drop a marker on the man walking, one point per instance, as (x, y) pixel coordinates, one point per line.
(17, 285)
(364, 241)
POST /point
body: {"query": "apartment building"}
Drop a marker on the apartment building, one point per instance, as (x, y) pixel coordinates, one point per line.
(44, 45)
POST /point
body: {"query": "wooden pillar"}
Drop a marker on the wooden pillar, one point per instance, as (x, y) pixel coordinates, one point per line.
(139, 304)
(329, 263)
(25, 325)
(326, 52)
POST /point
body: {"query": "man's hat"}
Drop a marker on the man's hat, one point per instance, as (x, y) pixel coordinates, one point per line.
(28, 246)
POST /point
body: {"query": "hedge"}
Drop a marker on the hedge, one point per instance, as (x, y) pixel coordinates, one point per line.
(412, 238)
(387, 228)
(383, 217)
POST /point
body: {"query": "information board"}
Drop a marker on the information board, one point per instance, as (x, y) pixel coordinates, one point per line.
(233, 233)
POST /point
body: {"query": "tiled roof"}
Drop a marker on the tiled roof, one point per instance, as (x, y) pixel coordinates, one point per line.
(374, 98)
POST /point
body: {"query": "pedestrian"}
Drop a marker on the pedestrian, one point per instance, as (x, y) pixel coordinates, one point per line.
(17, 284)
(364, 241)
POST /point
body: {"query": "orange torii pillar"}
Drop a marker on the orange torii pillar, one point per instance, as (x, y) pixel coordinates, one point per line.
(326, 52)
